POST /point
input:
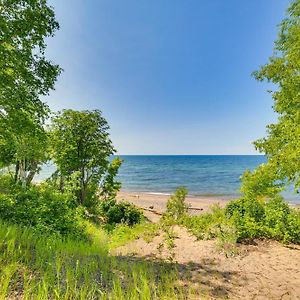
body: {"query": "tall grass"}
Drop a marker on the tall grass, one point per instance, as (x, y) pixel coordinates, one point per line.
(33, 266)
(122, 234)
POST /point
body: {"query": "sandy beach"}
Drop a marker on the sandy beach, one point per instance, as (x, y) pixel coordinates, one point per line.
(154, 204)
(259, 270)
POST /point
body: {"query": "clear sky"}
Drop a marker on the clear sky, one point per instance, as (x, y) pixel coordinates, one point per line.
(170, 76)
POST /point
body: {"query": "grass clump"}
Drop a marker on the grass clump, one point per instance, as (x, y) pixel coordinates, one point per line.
(123, 234)
(204, 226)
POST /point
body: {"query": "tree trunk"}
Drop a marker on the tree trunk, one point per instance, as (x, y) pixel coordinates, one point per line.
(82, 186)
(17, 171)
(23, 173)
(31, 173)
(61, 183)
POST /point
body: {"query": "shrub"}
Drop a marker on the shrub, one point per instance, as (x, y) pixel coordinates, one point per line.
(122, 212)
(246, 218)
(176, 206)
(105, 205)
(226, 238)
(265, 219)
(276, 216)
(6, 183)
(42, 208)
(205, 226)
(293, 227)
(243, 206)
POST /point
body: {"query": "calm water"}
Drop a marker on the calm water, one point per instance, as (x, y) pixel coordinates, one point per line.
(201, 174)
(207, 175)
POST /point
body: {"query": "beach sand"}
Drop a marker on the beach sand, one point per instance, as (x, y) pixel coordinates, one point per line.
(154, 204)
(260, 270)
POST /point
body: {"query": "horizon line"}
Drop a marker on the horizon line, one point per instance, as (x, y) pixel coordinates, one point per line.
(189, 154)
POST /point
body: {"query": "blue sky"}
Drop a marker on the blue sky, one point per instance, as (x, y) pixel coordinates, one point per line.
(171, 77)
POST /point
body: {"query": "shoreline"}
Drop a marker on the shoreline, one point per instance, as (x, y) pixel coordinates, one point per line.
(154, 204)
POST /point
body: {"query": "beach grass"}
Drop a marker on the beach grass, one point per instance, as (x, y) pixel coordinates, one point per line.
(33, 266)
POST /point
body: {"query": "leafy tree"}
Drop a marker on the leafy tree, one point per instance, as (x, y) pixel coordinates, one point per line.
(25, 148)
(282, 144)
(109, 186)
(81, 146)
(25, 75)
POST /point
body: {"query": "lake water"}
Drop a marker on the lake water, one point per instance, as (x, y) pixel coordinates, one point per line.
(203, 175)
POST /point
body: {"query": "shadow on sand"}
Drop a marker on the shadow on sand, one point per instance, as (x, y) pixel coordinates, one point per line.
(203, 277)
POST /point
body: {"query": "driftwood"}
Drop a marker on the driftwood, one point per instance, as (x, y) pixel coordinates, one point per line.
(160, 214)
(195, 208)
(151, 210)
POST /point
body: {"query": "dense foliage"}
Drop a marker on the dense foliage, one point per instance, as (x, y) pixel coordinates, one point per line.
(41, 208)
(282, 144)
(25, 75)
(244, 219)
(81, 148)
(259, 219)
(119, 212)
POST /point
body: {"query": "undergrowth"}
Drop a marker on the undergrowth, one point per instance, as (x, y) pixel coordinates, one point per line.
(36, 267)
(241, 219)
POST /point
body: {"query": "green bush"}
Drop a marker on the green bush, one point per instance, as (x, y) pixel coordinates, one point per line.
(6, 184)
(242, 207)
(246, 218)
(265, 219)
(276, 216)
(293, 227)
(122, 212)
(42, 208)
(205, 226)
(176, 206)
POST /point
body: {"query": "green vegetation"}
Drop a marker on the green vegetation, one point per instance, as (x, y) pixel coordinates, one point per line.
(282, 144)
(49, 246)
(81, 148)
(242, 219)
(36, 267)
(25, 75)
(265, 219)
(122, 212)
(176, 206)
(42, 208)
